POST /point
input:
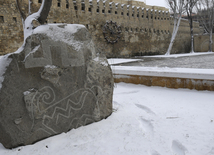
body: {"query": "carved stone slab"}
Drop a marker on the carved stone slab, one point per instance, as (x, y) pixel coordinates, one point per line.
(56, 83)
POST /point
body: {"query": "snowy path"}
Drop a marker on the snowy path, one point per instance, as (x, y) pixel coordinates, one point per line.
(145, 121)
(204, 61)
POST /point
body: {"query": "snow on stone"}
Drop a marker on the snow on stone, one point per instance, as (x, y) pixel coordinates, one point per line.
(165, 72)
(61, 33)
(114, 61)
(101, 61)
(50, 66)
(145, 121)
(4, 62)
(20, 49)
(26, 93)
(33, 51)
(96, 59)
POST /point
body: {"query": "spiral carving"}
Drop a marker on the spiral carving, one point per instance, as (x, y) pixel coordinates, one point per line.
(46, 96)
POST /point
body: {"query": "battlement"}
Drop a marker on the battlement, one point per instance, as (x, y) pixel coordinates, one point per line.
(134, 18)
(133, 10)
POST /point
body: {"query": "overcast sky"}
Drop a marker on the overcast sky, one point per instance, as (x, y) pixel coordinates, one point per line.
(156, 2)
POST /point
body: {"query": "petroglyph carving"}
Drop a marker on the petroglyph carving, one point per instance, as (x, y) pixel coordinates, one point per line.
(42, 104)
(51, 54)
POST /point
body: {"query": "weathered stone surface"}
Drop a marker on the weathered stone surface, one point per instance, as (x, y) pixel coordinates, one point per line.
(57, 82)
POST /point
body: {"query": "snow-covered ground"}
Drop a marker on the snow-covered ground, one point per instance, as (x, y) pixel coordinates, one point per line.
(145, 121)
(179, 55)
(191, 73)
(114, 61)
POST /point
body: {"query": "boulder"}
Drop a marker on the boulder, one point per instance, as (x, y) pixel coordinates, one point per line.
(56, 82)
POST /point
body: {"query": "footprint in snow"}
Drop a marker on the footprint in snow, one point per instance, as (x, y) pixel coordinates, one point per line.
(145, 109)
(211, 152)
(130, 92)
(146, 125)
(116, 106)
(178, 148)
(116, 103)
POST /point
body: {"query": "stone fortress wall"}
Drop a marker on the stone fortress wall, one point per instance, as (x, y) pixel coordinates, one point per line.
(201, 42)
(144, 29)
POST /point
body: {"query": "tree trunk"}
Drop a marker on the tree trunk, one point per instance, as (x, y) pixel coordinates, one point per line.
(174, 33)
(192, 35)
(211, 41)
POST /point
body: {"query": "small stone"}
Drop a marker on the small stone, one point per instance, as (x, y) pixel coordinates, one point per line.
(18, 121)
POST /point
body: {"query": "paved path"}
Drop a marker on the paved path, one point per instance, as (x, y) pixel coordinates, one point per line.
(200, 61)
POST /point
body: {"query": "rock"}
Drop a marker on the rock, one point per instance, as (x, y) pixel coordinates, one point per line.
(55, 83)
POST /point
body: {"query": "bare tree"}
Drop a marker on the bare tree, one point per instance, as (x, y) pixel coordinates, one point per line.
(40, 16)
(205, 15)
(176, 7)
(189, 5)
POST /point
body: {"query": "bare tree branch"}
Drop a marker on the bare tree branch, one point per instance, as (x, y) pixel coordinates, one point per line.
(23, 16)
(44, 11)
(40, 16)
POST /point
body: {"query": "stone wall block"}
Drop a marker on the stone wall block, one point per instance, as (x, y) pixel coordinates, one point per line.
(125, 11)
(136, 14)
(94, 7)
(107, 9)
(101, 9)
(87, 6)
(113, 11)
